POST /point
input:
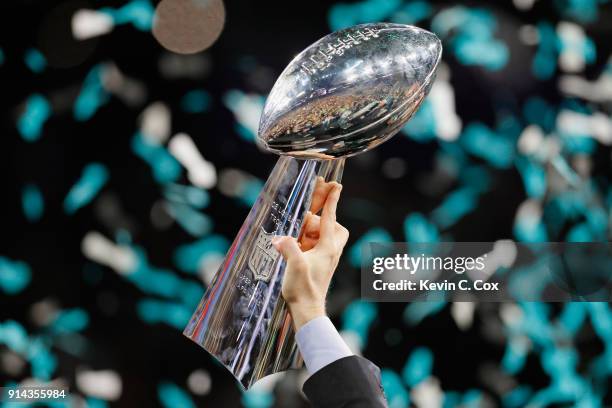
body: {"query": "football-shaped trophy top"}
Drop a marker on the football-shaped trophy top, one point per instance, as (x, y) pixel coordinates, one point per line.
(349, 91)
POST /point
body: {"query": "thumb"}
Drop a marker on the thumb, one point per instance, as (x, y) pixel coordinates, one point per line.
(288, 247)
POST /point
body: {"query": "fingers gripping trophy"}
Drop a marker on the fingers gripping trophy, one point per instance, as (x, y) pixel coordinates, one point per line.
(345, 94)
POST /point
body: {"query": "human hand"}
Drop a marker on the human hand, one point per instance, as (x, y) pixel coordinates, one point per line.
(311, 262)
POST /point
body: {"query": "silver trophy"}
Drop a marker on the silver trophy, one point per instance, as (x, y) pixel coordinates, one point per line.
(345, 94)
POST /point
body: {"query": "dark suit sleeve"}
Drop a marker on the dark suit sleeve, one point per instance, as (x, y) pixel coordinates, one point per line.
(350, 382)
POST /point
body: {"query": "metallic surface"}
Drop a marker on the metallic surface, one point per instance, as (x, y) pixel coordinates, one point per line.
(349, 91)
(242, 319)
(345, 94)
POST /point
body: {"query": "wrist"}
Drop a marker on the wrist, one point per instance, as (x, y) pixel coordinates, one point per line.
(303, 313)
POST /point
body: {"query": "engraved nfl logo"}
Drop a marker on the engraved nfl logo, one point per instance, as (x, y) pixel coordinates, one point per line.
(264, 256)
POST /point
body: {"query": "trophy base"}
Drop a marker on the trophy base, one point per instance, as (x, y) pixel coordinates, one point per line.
(242, 319)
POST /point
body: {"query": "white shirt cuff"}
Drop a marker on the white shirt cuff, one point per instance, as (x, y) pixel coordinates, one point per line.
(320, 344)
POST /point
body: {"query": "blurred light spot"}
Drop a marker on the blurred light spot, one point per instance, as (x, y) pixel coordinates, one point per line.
(35, 60)
(357, 317)
(502, 255)
(463, 313)
(584, 11)
(417, 228)
(523, 4)
(247, 109)
(471, 32)
(209, 265)
(192, 221)
(418, 367)
(416, 312)
(44, 312)
(173, 66)
(539, 112)
(195, 101)
(32, 202)
(14, 275)
(188, 26)
(572, 124)
(530, 140)
(164, 165)
(129, 90)
(599, 90)
(172, 396)
(528, 226)
(487, 144)
(397, 396)
(192, 196)
(378, 235)
(576, 49)
(92, 180)
(12, 363)
(544, 63)
(518, 397)
(412, 12)
(528, 34)
(239, 184)
(155, 122)
(100, 249)
(37, 111)
(199, 382)
(200, 172)
(188, 257)
(68, 321)
(343, 15)
(171, 313)
(455, 206)
(394, 168)
(138, 13)
(92, 96)
(91, 23)
(534, 177)
(103, 384)
(429, 394)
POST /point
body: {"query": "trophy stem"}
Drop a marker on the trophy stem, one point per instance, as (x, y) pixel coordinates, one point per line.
(242, 319)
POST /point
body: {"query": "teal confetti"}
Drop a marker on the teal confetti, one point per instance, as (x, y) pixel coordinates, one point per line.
(35, 60)
(70, 321)
(418, 229)
(14, 276)
(92, 96)
(173, 314)
(378, 235)
(92, 180)
(418, 367)
(32, 202)
(397, 396)
(358, 317)
(172, 396)
(165, 167)
(30, 123)
(189, 256)
(196, 101)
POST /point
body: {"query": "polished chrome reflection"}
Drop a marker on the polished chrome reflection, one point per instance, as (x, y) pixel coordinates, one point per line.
(345, 94)
(242, 319)
(349, 91)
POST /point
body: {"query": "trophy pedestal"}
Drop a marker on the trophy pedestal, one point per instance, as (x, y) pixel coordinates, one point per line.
(242, 319)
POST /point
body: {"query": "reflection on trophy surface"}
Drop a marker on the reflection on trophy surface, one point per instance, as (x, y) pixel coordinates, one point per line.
(343, 95)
